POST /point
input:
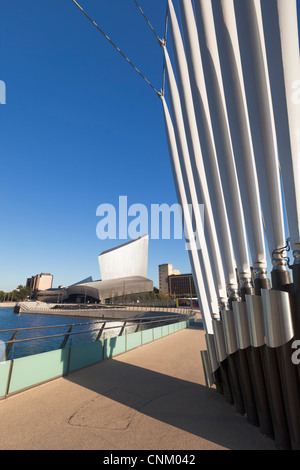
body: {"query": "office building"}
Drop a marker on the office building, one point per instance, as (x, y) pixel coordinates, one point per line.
(40, 282)
(165, 270)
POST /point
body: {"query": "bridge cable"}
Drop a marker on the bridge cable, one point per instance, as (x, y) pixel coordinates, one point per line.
(162, 42)
(117, 48)
(165, 43)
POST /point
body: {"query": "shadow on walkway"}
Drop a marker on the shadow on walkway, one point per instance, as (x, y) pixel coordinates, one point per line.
(125, 390)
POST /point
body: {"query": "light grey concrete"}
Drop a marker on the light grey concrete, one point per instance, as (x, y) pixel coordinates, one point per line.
(152, 397)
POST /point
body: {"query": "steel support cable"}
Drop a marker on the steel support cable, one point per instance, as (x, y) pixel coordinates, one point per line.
(162, 42)
(165, 43)
(117, 48)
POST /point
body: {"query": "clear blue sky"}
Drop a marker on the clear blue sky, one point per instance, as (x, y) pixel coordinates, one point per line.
(80, 128)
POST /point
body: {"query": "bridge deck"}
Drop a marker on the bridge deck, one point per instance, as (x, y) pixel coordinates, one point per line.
(153, 397)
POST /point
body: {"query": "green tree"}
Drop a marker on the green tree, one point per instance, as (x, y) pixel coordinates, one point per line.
(22, 292)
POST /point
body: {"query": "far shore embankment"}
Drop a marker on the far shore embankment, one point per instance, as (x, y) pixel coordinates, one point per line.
(8, 304)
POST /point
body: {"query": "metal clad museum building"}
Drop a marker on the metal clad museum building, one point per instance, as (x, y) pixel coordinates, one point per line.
(123, 271)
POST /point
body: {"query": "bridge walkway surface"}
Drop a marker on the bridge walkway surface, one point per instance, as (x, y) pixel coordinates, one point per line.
(152, 398)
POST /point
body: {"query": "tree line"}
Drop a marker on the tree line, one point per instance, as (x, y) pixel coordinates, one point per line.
(18, 294)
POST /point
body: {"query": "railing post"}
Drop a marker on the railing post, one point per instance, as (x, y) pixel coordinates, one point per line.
(138, 325)
(122, 329)
(9, 377)
(100, 332)
(66, 337)
(10, 345)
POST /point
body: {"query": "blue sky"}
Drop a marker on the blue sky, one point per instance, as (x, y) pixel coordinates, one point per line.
(80, 128)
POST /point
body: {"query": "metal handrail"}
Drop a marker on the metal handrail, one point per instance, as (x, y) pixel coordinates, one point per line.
(148, 320)
(179, 315)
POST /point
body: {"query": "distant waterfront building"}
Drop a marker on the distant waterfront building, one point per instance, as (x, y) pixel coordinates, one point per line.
(123, 271)
(166, 270)
(129, 259)
(40, 282)
(182, 285)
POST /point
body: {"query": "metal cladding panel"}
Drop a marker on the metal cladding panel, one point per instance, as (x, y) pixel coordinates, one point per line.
(209, 378)
(229, 331)
(256, 320)
(130, 259)
(219, 340)
(241, 324)
(278, 317)
(127, 286)
(212, 354)
(84, 289)
(114, 287)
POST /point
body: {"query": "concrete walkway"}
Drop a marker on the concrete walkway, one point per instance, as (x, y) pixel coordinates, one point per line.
(153, 397)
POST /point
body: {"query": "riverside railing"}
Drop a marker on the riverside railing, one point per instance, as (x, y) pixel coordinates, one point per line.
(106, 325)
(27, 371)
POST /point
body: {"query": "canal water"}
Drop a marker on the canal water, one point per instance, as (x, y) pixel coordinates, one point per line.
(11, 321)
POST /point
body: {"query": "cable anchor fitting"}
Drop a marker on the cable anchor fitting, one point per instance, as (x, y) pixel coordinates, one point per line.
(161, 42)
